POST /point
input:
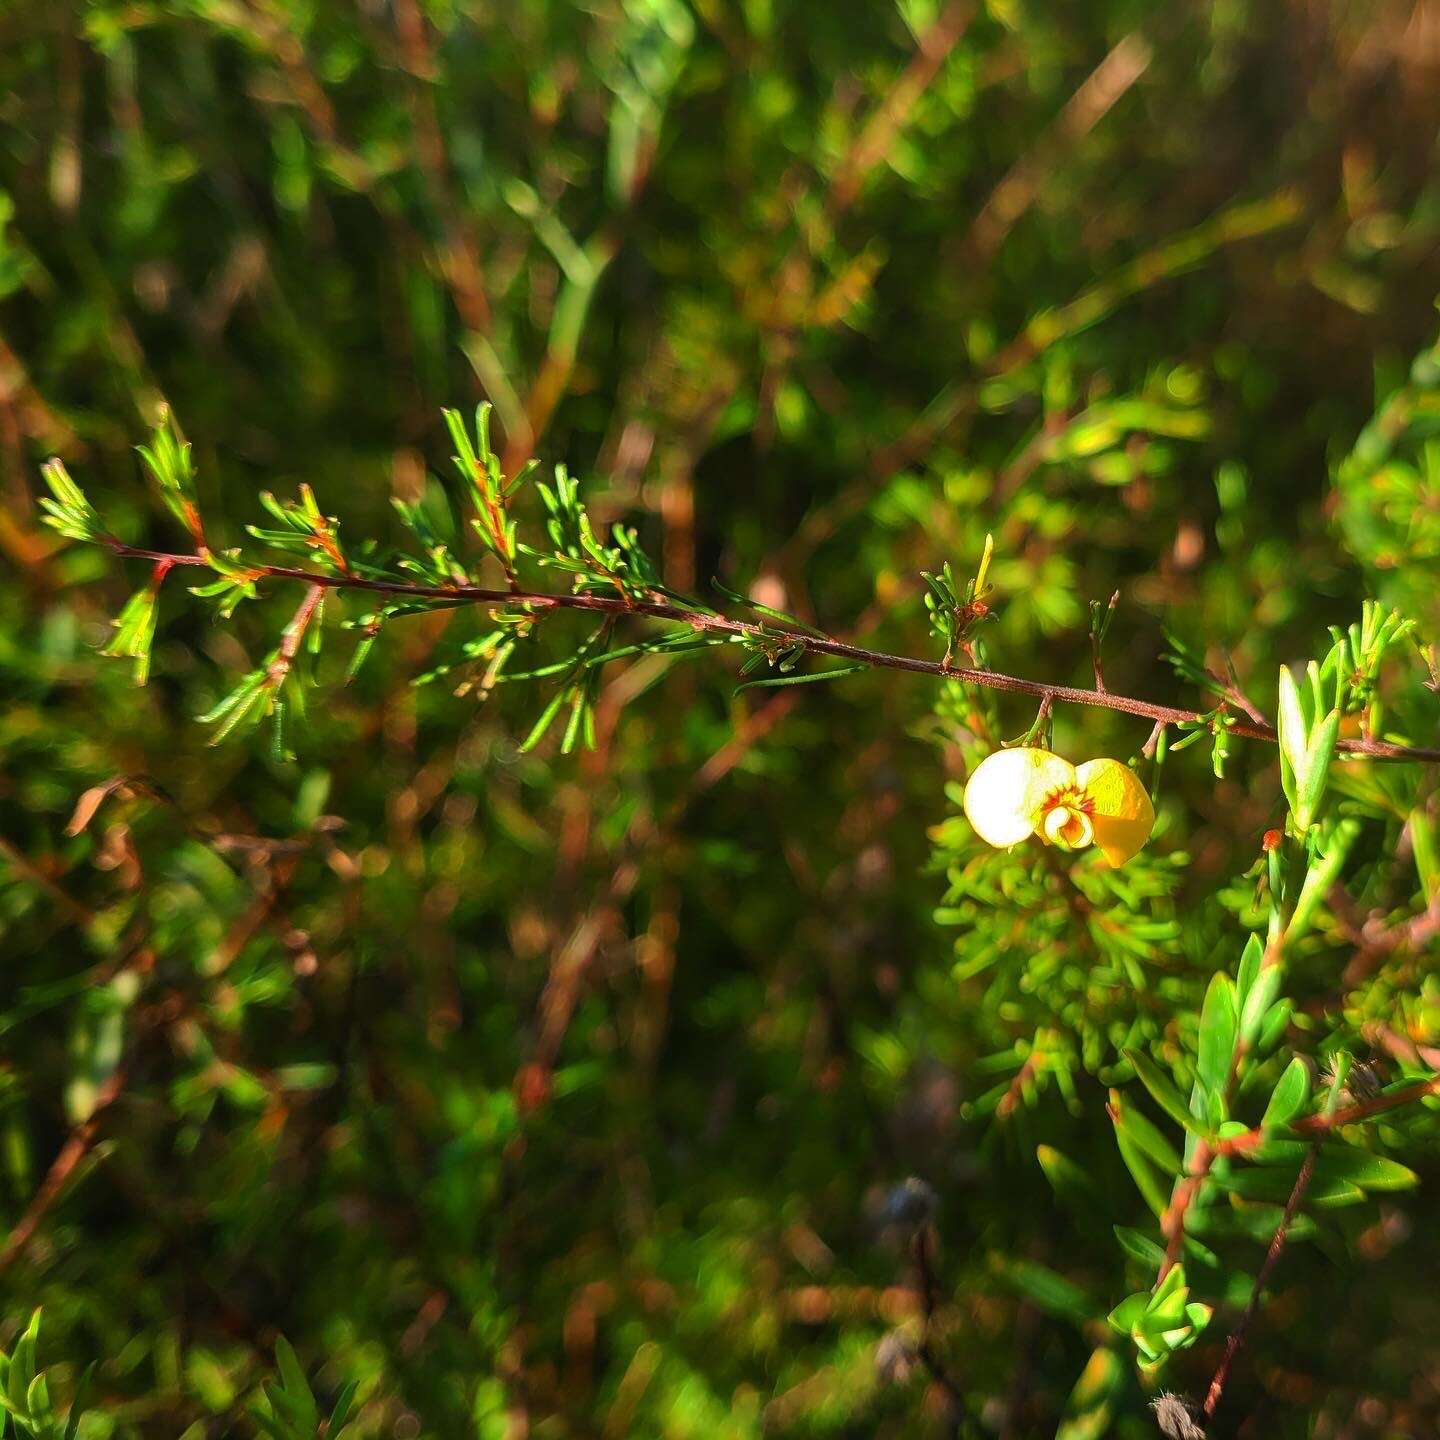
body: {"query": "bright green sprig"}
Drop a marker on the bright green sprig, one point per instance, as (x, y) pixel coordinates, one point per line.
(66, 507)
(135, 627)
(1163, 1321)
(169, 461)
(234, 585)
(305, 530)
(955, 612)
(479, 467)
(620, 565)
(1309, 726)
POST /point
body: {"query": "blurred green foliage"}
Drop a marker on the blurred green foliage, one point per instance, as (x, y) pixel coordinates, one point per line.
(574, 1094)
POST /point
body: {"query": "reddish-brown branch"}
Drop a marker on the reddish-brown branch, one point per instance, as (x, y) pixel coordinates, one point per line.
(1376, 942)
(1172, 1222)
(72, 1152)
(1272, 1256)
(1315, 1126)
(294, 632)
(883, 127)
(709, 623)
(1402, 1047)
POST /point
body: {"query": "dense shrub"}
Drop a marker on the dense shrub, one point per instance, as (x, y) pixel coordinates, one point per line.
(544, 1046)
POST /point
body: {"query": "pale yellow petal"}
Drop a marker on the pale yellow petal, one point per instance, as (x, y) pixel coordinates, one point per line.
(1122, 814)
(1006, 790)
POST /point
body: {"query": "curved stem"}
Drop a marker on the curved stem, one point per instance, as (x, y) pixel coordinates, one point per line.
(706, 621)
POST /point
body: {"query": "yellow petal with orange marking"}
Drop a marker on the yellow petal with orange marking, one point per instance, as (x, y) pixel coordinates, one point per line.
(1004, 796)
(1122, 814)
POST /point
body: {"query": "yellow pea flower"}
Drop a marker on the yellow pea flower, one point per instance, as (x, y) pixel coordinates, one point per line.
(1017, 793)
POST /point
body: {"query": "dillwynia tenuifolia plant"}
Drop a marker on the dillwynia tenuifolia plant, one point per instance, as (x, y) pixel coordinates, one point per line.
(1249, 1111)
(573, 1095)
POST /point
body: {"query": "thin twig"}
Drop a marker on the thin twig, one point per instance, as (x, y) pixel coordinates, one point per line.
(711, 623)
(1099, 93)
(925, 1281)
(72, 1152)
(295, 633)
(1272, 1256)
(889, 118)
(1377, 944)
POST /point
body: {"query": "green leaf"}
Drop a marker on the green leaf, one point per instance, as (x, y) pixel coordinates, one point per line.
(1363, 1168)
(775, 682)
(22, 1365)
(1272, 1028)
(1171, 1286)
(1053, 1293)
(1162, 1089)
(1250, 960)
(789, 621)
(344, 1407)
(168, 459)
(1148, 1137)
(1219, 1026)
(267, 1423)
(297, 1387)
(1126, 1315)
(1288, 1098)
(1140, 1246)
(1320, 877)
(37, 1398)
(1310, 788)
(1089, 1409)
(77, 1405)
(1070, 1183)
(1263, 991)
(66, 508)
(1279, 1151)
(1141, 1171)
(135, 630)
(247, 704)
(1293, 736)
(1145, 1178)
(547, 717)
(1273, 1185)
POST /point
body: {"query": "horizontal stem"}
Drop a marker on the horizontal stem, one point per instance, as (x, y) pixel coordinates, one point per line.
(1321, 1124)
(813, 644)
